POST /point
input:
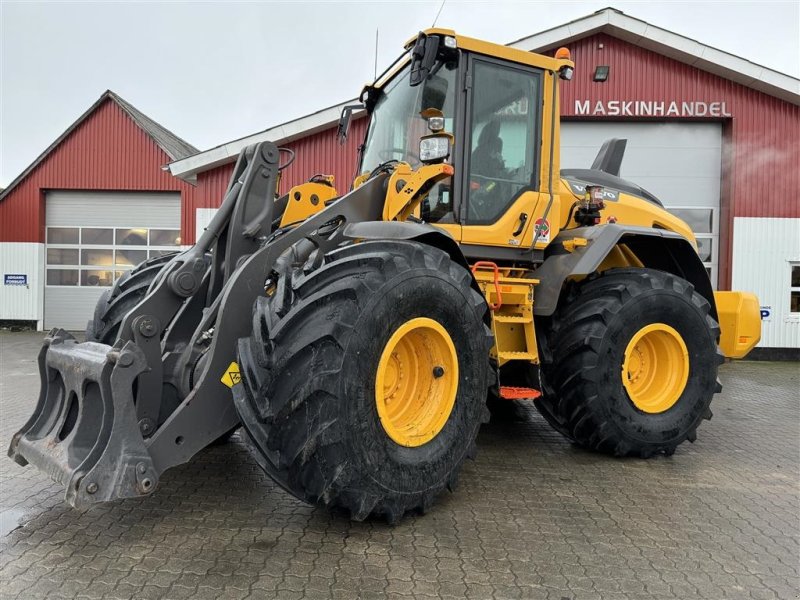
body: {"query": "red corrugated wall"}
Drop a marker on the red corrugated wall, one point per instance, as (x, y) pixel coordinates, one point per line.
(108, 151)
(764, 129)
(761, 153)
(318, 153)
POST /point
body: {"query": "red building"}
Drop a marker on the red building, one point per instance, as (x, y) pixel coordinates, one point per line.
(711, 134)
(97, 201)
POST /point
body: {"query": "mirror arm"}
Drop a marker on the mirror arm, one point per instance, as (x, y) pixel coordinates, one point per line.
(344, 121)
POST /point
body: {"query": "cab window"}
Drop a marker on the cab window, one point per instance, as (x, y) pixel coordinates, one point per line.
(504, 138)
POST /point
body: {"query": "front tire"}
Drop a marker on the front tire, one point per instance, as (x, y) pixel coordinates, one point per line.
(634, 363)
(375, 311)
(128, 291)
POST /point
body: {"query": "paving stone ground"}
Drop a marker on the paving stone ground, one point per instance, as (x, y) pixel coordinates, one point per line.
(533, 517)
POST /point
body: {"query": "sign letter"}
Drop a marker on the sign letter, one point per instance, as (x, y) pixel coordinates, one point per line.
(599, 109)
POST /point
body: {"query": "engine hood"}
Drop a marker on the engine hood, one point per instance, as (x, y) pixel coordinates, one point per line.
(578, 179)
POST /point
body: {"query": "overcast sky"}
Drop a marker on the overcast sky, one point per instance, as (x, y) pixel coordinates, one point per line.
(212, 72)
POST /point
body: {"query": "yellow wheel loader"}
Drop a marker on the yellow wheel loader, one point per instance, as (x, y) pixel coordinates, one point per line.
(356, 337)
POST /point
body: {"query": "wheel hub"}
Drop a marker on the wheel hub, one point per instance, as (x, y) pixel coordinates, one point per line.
(655, 369)
(416, 382)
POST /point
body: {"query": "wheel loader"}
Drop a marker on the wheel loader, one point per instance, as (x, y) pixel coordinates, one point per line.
(357, 337)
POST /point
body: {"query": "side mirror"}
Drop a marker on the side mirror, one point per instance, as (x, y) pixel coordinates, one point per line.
(344, 121)
(423, 57)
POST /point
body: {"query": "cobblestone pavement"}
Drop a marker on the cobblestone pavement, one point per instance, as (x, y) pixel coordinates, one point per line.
(533, 517)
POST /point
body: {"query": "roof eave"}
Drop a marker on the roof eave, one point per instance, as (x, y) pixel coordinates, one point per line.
(39, 159)
(188, 168)
(672, 45)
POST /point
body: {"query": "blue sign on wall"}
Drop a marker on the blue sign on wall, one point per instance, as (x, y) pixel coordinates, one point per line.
(15, 279)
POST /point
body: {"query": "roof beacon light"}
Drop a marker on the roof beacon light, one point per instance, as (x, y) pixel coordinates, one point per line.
(566, 71)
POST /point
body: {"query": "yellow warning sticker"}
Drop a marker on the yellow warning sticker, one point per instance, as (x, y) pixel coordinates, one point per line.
(231, 376)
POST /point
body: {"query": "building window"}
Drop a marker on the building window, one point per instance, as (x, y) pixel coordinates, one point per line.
(62, 235)
(794, 287)
(98, 256)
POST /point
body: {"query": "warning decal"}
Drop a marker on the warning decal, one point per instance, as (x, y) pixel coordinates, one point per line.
(542, 228)
(232, 376)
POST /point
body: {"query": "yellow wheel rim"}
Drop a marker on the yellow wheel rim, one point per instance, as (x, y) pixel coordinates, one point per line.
(417, 381)
(656, 368)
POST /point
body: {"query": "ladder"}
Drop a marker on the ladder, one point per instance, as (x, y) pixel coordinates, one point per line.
(509, 294)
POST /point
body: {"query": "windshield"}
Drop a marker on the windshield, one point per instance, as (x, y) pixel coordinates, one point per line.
(396, 126)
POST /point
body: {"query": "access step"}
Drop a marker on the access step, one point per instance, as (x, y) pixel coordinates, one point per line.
(512, 319)
(508, 355)
(518, 393)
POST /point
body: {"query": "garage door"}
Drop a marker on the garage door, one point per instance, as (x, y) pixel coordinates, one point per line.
(678, 162)
(94, 237)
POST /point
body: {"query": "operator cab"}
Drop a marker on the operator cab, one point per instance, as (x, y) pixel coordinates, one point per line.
(493, 110)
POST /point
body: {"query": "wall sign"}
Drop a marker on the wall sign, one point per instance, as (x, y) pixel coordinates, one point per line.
(15, 279)
(766, 313)
(650, 108)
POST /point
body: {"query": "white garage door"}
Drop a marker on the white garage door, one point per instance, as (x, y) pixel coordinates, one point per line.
(92, 238)
(680, 163)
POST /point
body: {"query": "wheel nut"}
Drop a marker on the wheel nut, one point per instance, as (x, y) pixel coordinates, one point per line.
(438, 372)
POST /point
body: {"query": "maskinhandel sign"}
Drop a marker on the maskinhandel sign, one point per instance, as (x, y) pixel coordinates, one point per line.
(650, 108)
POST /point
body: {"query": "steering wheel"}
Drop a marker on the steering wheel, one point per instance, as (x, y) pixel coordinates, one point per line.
(492, 192)
(480, 202)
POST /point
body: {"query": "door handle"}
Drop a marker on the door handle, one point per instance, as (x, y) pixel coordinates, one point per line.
(523, 218)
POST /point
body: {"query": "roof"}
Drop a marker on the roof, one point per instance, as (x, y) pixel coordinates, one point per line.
(683, 49)
(608, 20)
(188, 168)
(174, 146)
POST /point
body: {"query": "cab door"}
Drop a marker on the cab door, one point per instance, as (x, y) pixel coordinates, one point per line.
(501, 162)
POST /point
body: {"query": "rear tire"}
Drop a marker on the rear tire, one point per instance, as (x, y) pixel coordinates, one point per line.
(127, 292)
(308, 401)
(589, 398)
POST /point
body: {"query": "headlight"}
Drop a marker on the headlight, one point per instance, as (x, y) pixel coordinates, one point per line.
(436, 124)
(433, 148)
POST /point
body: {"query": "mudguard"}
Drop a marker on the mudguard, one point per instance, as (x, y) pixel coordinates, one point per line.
(656, 248)
(407, 230)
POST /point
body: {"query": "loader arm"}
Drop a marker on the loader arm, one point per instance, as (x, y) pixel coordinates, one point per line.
(100, 406)
(112, 418)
